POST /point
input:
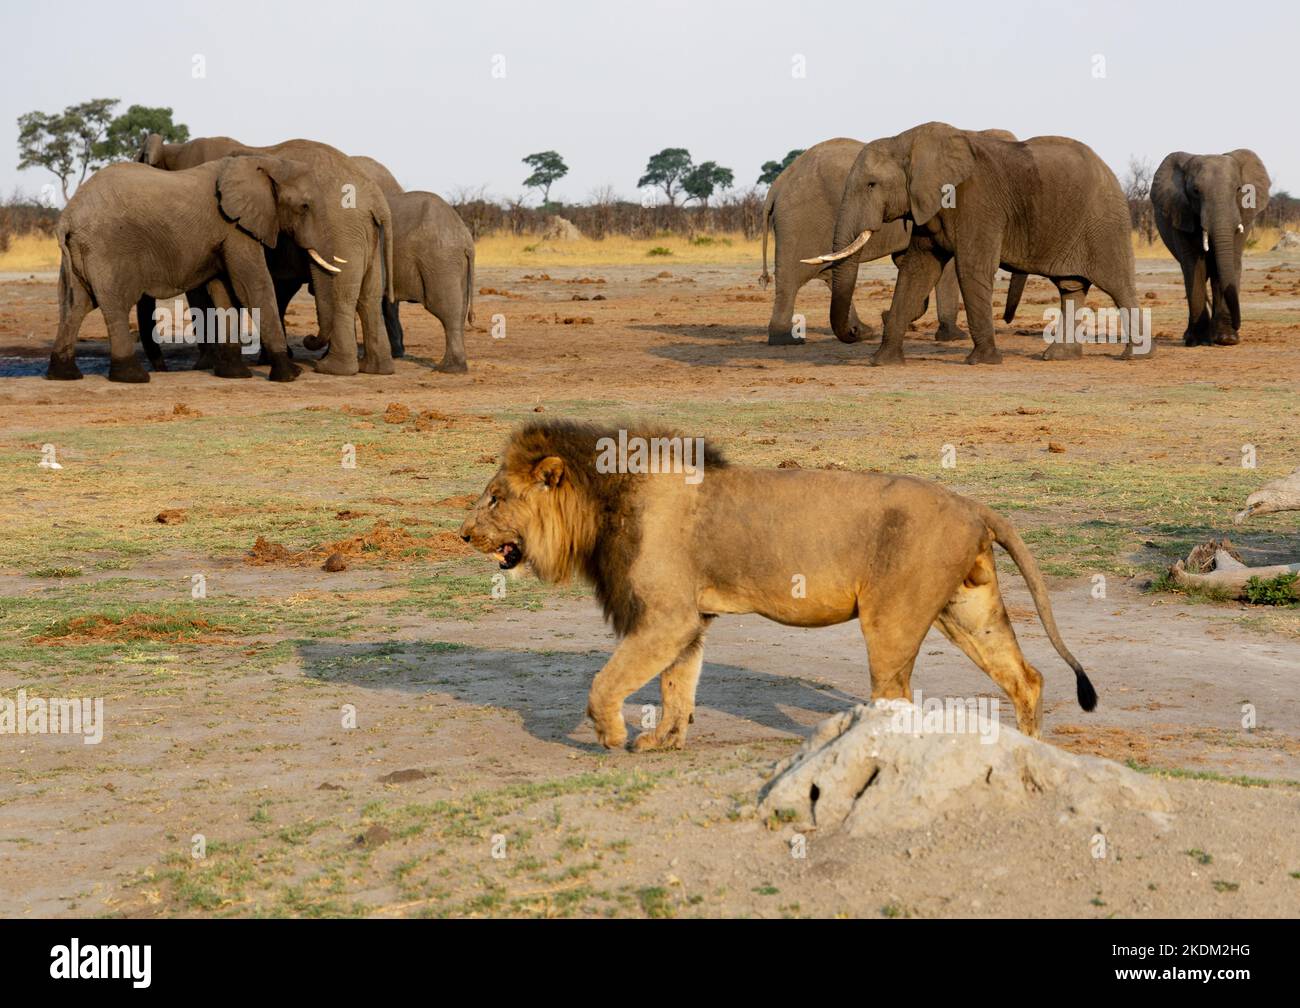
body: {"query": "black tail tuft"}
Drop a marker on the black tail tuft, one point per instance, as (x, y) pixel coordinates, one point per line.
(1087, 695)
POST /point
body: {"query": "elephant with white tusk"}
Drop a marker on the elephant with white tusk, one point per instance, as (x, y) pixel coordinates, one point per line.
(356, 278)
(1215, 197)
(132, 231)
(800, 209)
(1047, 205)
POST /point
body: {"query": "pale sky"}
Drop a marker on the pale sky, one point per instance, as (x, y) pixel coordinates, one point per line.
(609, 84)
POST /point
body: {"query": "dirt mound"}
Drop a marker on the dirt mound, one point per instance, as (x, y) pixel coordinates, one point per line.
(560, 229)
(382, 542)
(135, 627)
(891, 765)
(1289, 240)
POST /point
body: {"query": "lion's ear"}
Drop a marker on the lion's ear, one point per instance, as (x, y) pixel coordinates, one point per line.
(549, 471)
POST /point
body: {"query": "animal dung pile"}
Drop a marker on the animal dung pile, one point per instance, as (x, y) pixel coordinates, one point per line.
(888, 765)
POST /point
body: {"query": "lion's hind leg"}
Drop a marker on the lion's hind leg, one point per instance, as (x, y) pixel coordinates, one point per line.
(975, 619)
(677, 687)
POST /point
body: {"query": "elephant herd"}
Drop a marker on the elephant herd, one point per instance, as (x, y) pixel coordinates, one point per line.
(239, 227)
(953, 206)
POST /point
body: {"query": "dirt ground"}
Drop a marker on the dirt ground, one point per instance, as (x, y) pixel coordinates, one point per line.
(470, 783)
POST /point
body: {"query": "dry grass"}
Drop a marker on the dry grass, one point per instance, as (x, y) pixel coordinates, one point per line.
(617, 250)
(30, 253)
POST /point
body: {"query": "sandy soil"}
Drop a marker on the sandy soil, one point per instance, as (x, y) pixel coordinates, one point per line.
(470, 741)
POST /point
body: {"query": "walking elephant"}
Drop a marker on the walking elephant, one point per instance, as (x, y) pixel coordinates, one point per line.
(1205, 206)
(801, 208)
(1047, 205)
(132, 231)
(433, 261)
(352, 284)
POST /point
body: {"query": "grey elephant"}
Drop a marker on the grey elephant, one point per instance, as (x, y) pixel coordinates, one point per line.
(353, 283)
(1205, 206)
(1047, 205)
(801, 208)
(132, 231)
(433, 260)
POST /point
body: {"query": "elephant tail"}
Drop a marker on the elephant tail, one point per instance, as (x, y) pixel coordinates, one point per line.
(469, 284)
(71, 271)
(1008, 538)
(1014, 290)
(768, 204)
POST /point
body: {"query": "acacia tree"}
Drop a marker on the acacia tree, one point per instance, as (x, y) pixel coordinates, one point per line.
(548, 168)
(771, 169)
(86, 136)
(702, 180)
(666, 171)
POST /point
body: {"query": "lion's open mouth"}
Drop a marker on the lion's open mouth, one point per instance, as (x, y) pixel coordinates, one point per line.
(508, 554)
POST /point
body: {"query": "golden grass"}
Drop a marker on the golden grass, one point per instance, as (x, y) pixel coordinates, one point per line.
(33, 252)
(30, 252)
(617, 250)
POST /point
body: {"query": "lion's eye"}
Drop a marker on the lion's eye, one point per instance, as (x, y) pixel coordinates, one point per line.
(492, 500)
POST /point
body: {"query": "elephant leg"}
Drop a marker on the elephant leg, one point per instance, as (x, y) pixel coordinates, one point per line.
(124, 365)
(200, 301)
(919, 270)
(1221, 318)
(227, 360)
(393, 326)
(379, 351)
(1198, 331)
(75, 303)
(1136, 333)
(1065, 345)
(144, 322)
(975, 274)
(947, 295)
(336, 308)
(449, 309)
(255, 290)
(790, 277)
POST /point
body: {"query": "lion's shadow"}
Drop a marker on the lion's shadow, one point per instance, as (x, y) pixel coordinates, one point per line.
(548, 689)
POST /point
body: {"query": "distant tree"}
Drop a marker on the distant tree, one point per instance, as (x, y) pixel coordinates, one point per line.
(666, 171)
(771, 169)
(83, 137)
(701, 181)
(548, 168)
(1137, 190)
(124, 134)
(65, 143)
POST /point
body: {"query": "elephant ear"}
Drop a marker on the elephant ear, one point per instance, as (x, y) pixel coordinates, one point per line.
(246, 192)
(941, 157)
(1253, 173)
(1169, 193)
(151, 150)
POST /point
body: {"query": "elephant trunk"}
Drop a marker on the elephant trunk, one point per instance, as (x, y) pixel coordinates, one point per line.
(1225, 262)
(844, 275)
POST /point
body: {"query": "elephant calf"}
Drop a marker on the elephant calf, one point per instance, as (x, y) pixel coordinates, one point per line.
(1205, 206)
(132, 230)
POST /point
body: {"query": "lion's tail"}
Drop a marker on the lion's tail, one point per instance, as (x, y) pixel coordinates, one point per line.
(1009, 539)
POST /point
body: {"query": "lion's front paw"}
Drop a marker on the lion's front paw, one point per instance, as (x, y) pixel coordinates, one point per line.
(611, 732)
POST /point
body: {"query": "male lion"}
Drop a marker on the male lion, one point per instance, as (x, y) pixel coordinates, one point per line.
(667, 552)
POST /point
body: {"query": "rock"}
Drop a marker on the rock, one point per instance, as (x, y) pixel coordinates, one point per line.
(1289, 240)
(881, 767)
(559, 229)
(335, 562)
